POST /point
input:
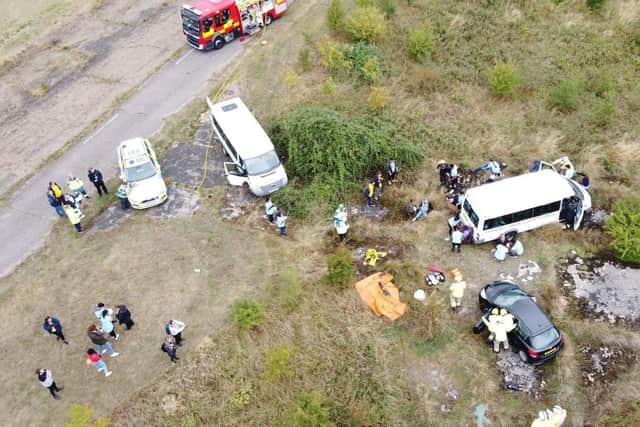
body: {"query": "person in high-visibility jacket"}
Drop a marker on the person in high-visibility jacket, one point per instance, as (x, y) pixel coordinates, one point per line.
(493, 318)
(76, 186)
(499, 331)
(508, 320)
(74, 216)
(341, 222)
(369, 191)
(269, 209)
(456, 289)
(57, 191)
(281, 222)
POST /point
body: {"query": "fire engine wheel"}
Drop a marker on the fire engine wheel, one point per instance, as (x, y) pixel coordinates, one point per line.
(218, 42)
(268, 19)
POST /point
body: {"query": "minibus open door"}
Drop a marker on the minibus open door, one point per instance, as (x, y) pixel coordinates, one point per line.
(234, 175)
(577, 219)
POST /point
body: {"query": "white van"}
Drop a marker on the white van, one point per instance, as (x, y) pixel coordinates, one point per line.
(140, 173)
(254, 160)
(522, 203)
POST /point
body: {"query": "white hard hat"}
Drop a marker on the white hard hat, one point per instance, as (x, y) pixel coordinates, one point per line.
(420, 295)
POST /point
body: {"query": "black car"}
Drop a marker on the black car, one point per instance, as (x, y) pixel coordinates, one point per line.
(535, 338)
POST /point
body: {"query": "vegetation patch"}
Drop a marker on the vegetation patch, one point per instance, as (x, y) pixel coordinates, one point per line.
(504, 79)
(248, 314)
(624, 228)
(341, 271)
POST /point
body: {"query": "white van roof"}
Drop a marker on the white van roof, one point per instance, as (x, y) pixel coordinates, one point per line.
(241, 128)
(133, 152)
(518, 193)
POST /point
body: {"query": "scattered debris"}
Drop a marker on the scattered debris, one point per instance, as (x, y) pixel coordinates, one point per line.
(518, 375)
(599, 364)
(238, 200)
(597, 218)
(371, 212)
(528, 270)
(610, 289)
(180, 203)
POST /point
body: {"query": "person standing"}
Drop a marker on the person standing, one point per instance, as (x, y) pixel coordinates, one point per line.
(411, 209)
(76, 186)
(124, 316)
(341, 222)
(95, 176)
(54, 203)
(99, 338)
(456, 289)
(500, 333)
(169, 346)
(107, 323)
(98, 309)
(456, 239)
(57, 191)
(74, 215)
(378, 186)
(46, 379)
(175, 328)
(53, 326)
(392, 170)
(281, 223)
(369, 191)
(123, 197)
(94, 358)
(453, 223)
(269, 209)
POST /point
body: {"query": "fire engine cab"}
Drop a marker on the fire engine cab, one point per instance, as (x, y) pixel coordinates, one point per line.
(209, 24)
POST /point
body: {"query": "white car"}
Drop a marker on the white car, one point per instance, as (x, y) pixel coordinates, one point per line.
(140, 173)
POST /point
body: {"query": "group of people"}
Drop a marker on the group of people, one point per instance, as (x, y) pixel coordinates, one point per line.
(68, 204)
(417, 212)
(499, 323)
(102, 336)
(508, 246)
(275, 216)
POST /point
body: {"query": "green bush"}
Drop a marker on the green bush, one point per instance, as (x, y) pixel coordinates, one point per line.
(332, 59)
(420, 43)
(388, 8)
(328, 155)
(601, 113)
(565, 96)
(341, 272)
(504, 79)
(304, 59)
(378, 98)
(365, 61)
(329, 87)
(624, 228)
(310, 410)
(248, 314)
(335, 15)
(366, 23)
(278, 363)
(595, 4)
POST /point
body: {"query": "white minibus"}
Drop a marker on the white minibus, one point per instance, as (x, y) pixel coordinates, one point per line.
(523, 203)
(254, 160)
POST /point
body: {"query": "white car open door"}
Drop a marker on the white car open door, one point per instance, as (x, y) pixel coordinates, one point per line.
(234, 176)
(577, 220)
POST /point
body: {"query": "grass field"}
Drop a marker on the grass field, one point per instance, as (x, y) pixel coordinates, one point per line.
(319, 357)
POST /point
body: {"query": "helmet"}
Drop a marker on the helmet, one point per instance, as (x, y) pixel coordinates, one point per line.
(340, 206)
(456, 274)
(503, 311)
(441, 162)
(495, 311)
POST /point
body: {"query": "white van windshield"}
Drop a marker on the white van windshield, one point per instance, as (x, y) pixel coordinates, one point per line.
(262, 164)
(140, 172)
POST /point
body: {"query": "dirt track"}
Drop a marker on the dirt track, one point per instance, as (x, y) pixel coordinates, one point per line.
(62, 84)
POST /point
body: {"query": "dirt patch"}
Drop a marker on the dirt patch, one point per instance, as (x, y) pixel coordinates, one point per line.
(180, 203)
(600, 367)
(609, 291)
(184, 163)
(518, 375)
(428, 380)
(238, 202)
(110, 218)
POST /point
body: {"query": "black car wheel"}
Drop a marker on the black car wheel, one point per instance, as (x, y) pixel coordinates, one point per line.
(218, 42)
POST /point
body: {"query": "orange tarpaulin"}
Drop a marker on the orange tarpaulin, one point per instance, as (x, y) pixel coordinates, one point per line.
(383, 299)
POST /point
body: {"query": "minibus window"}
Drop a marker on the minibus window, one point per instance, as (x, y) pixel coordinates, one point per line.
(469, 210)
(522, 215)
(545, 209)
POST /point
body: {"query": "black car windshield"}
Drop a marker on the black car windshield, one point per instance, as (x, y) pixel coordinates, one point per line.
(262, 164)
(510, 297)
(140, 172)
(545, 339)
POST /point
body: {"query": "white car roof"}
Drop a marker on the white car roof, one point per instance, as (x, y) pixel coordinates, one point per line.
(518, 193)
(133, 152)
(241, 128)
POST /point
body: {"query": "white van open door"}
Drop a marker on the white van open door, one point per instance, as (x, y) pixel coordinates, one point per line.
(234, 176)
(577, 220)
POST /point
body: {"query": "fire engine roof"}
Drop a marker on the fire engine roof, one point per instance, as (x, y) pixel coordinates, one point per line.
(204, 7)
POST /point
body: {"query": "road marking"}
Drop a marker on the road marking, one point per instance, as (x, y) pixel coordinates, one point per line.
(187, 54)
(101, 128)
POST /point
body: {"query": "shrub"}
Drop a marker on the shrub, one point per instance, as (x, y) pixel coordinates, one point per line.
(304, 59)
(378, 98)
(241, 397)
(335, 15)
(332, 57)
(248, 314)
(327, 155)
(503, 79)
(365, 61)
(601, 113)
(329, 87)
(341, 272)
(565, 96)
(291, 78)
(599, 83)
(624, 228)
(595, 4)
(420, 43)
(388, 8)
(366, 23)
(310, 410)
(82, 416)
(278, 363)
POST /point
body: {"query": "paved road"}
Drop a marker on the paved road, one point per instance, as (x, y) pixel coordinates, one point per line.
(27, 220)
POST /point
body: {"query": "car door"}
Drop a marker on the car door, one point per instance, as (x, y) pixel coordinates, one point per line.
(577, 220)
(235, 176)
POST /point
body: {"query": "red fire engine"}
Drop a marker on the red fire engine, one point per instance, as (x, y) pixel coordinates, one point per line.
(209, 24)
